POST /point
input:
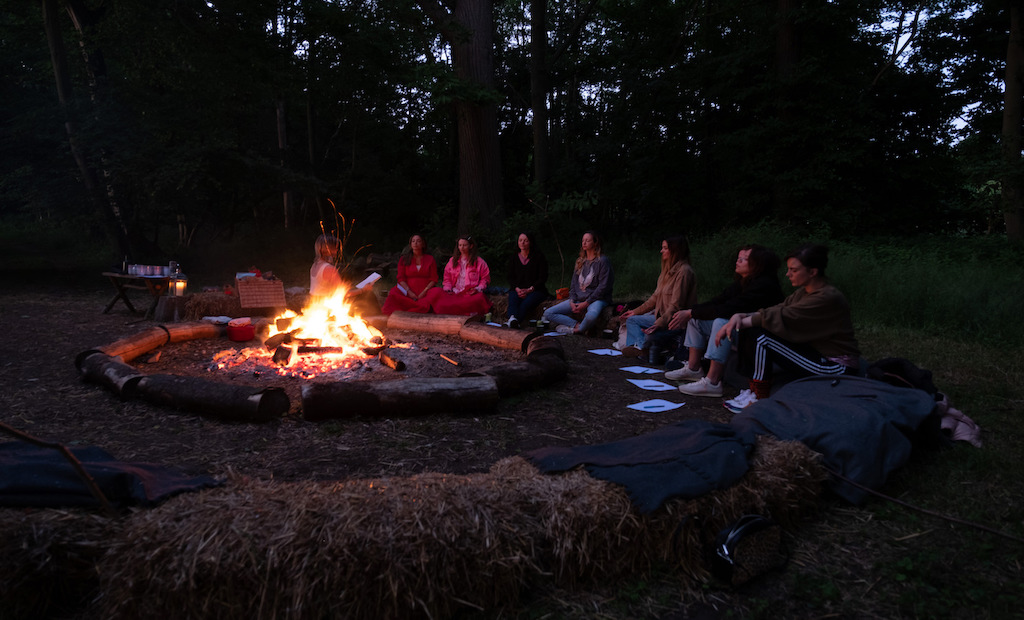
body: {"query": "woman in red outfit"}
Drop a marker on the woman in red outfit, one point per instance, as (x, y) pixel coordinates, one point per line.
(465, 277)
(417, 274)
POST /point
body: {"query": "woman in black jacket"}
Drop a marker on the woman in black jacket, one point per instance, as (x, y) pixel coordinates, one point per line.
(756, 287)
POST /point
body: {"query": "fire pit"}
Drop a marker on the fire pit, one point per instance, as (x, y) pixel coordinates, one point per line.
(334, 364)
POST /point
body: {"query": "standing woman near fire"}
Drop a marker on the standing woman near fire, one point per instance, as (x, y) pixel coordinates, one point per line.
(466, 275)
(590, 290)
(527, 280)
(417, 274)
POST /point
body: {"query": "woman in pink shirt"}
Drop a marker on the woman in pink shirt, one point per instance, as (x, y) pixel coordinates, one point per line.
(466, 275)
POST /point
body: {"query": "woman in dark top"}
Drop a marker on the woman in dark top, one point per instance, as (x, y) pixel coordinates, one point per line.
(756, 286)
(527, 280)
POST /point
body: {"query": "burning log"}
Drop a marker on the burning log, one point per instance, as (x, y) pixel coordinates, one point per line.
(345, 399)
(234, 403)
(515, 339)
(449, 324)
(282, 355)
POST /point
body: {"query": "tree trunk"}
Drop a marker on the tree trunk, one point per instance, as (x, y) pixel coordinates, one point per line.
(787, 55)
(469, 29)
(539, 91)
(103, 202)
(1013, 109)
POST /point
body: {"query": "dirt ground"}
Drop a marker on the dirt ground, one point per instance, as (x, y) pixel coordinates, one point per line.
(47, 326)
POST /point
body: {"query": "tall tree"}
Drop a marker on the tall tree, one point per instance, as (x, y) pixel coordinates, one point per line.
(1013, 114)
(468, 27)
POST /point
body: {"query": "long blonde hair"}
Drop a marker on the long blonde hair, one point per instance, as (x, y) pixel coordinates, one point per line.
(583, 254)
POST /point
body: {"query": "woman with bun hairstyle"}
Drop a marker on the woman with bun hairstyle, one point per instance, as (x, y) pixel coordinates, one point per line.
(810, 332)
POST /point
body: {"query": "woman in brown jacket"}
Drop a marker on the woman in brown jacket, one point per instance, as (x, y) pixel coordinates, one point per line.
(676, 290)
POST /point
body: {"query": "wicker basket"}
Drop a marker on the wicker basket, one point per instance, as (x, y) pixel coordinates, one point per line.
(260, 293)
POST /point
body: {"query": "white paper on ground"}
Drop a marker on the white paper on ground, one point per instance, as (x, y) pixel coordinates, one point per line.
(640, 370)
(652, 385)
(608, 352)
(655, 405)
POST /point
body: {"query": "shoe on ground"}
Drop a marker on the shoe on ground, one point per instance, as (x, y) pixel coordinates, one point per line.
(674, 364)
(513, 322)
(563, 329)
(702, 387)
(631, 351)
(685, 374)
(741, 402)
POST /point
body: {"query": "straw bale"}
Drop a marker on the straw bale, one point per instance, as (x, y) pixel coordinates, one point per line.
(48, 560)
(220, 304)
(426, 545)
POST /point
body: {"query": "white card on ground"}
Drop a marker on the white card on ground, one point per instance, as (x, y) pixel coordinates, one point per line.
(655, 405)
(493, 324)
(553, 334)
(608, 352)
(641, 370)
(652, 385)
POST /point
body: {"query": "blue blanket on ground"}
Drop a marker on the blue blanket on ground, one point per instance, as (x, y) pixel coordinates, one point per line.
(687, 459)
(31, 475)
(863, 428)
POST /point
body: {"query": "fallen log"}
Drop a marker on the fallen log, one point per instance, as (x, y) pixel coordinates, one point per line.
(449, 324)
(232, 403)
(515, 339)
(544, 345)
(110, 372)
(182, 332)
(345, 399)
(138, 344)
(518, 377)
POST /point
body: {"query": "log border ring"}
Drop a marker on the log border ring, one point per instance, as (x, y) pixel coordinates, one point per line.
(474, 390)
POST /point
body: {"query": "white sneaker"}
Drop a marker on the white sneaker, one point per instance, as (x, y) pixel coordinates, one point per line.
(513, 322)
(563, 329)
(684, 374)
(702, 387)
(741, 402)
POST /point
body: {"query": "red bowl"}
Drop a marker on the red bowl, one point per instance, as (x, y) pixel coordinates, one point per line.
(241, 333)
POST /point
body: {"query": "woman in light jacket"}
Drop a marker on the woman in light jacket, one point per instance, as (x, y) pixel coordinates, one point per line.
(676, 290)
(590, 290)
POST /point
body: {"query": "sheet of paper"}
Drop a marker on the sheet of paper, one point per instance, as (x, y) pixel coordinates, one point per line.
(641, 370)
(655, 405)
(652, 385)
(370, 279)
(493, 324)
(608, 352)
(553, 334)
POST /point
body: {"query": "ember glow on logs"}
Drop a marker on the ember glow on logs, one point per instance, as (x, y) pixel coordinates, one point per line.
(326, 338)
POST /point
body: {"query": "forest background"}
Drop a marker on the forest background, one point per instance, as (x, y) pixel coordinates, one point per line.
(229, 133)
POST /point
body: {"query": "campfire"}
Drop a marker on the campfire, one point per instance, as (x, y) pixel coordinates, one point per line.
(326, 339)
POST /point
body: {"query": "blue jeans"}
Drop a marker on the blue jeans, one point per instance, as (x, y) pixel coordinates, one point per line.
(635, 326)
(522, 307)
(560, 314)
(700, 334)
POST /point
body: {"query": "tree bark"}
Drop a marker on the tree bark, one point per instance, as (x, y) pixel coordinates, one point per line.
(514, 339)
(449, 324)
(539, 91)
(1013, 109)
(469, 29)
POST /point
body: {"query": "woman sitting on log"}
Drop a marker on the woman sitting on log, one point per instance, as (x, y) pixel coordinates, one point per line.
(417, 274)
(590, 290)
(527, 280)
(466, 275)
(676, 289)
(810, 332)
(756, 286)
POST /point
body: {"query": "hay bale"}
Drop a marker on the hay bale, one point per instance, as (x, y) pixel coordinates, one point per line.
(48, 560)
(427, 545)
(219, 303)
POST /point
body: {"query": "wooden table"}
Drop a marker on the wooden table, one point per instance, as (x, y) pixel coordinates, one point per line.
(156, 285)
